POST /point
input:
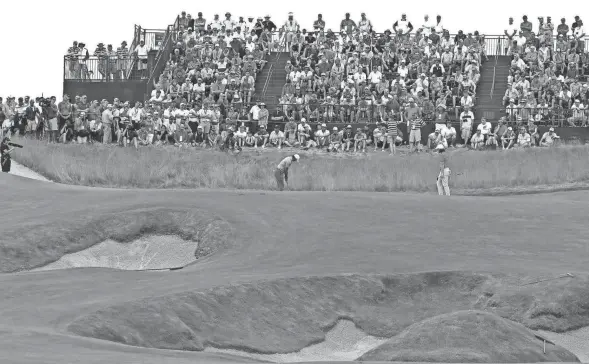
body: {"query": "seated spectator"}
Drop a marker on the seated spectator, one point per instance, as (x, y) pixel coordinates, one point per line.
(322, 136)
(548, 138)
(261, 137)
(335, 140)
(523, 138)
(360, 140)
(477, 142)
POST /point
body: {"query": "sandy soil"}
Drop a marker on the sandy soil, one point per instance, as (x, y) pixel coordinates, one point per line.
(344, 342)
(19, 170)
(576, 341)
(149, 252)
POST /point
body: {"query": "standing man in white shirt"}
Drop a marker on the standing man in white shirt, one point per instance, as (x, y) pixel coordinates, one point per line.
(281, 172)
(254, 116)
(403, 27)
(511, 31)
(427, 26)
(290, 28)
(141, 52)
(466, 119)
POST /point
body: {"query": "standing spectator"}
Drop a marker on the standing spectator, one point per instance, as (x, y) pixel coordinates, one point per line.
(107, 121)
(200, 24)
(319, 24)
(562, 29)
(141, 52)
(347, 25)
(526, 27)
(65, 112)
(466, 123)
(289, 30)
(73, 65)
(579, 35)
(122, 61)
(443, 178)
(83, 57)
(51, 112)
(403, 27)
(414, 124)
(101, 54)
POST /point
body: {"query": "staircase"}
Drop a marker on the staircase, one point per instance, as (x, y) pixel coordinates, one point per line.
(271, 79)
(488, 105)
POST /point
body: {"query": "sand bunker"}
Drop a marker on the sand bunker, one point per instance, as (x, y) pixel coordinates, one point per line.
(149, 252)
(576, 341)
(344, 342)
(19, 170)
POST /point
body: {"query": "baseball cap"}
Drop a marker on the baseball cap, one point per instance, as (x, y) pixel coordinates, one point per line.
(297, 157)
(551, 129)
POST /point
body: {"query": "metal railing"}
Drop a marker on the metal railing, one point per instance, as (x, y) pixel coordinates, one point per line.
(163, 55)
(340, 113)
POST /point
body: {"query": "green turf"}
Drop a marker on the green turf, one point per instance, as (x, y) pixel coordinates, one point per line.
(467, 337)
(276, 236)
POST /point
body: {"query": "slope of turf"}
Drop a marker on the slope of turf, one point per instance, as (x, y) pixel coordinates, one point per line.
(287, 315)
(270, 237)
(467, 337)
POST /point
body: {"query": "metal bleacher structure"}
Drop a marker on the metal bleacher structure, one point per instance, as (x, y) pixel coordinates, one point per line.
(270, 80)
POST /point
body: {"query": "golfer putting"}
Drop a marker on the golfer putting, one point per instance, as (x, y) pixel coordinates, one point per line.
(281, 172)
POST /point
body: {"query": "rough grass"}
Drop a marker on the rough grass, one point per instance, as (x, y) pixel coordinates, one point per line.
(467, 337)
(286, 315)
(40, 245)
(494, 172)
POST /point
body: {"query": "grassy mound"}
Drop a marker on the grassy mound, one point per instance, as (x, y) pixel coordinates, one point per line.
(467, 336)
(47, 243)
(286, 315)
(111, 166)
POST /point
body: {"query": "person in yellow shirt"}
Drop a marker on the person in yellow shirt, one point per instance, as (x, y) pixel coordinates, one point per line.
(281, 172)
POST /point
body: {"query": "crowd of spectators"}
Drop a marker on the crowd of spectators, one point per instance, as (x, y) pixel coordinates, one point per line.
(111, 63)
(150, 124)
(548, 74)
(414, 74)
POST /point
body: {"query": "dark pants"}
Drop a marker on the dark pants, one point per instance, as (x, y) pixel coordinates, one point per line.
(6, 164)
(279, 174)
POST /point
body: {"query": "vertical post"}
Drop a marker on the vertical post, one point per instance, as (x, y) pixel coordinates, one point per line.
(544, 346)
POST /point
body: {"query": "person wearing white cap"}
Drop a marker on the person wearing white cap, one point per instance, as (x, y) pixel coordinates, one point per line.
(290, 27)
(549, 138)
(322, 136)
(508, 138)
(335, 140)
(281, 172)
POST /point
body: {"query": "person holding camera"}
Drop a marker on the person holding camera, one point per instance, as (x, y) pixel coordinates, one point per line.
(5, 151)
(81, 128)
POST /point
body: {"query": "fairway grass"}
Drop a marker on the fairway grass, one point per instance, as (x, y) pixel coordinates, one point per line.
(287, 315)
(487, 173)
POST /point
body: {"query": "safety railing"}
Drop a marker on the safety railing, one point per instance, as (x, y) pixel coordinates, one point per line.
(163, 54)
(342, 113)
(97, 69)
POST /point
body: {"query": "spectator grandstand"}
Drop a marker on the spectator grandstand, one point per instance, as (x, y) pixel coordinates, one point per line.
(233, 82)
